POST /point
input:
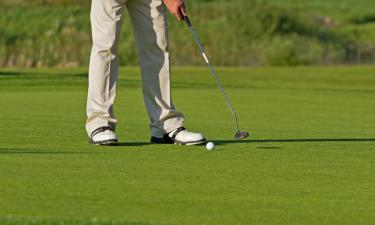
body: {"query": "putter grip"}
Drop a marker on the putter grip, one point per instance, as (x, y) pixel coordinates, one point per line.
(187, 21)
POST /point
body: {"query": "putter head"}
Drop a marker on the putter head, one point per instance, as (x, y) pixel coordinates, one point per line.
(241, 135)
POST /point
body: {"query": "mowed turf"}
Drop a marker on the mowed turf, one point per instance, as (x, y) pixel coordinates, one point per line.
(309, 159)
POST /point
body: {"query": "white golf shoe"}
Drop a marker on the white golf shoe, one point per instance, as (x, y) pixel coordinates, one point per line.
(180, 136)
(103, 136)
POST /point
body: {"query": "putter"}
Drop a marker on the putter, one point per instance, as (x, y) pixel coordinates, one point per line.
(239, 134)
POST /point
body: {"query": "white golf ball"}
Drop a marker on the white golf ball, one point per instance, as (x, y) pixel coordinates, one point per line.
(210, 145)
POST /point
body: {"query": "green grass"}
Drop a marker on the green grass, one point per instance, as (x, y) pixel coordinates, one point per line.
(334, 8)
(309, 159)
(234, 33)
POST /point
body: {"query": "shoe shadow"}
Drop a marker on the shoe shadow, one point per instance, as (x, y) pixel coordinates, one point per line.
(27, 73)
(38, 151)
(11, 150)
(133, 144)
(10, 73)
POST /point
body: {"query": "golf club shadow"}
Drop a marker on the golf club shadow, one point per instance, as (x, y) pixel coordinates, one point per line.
(224, 142)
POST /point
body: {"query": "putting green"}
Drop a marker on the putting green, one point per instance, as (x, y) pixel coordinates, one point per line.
(309, 159)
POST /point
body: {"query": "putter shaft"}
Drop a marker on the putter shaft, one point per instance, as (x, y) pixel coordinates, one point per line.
(221, 88)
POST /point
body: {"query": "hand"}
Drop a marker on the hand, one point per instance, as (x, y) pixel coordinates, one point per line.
(177, 8)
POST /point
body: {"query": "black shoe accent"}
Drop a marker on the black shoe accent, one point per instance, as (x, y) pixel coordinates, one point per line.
(99, 130)
(166, 139)
(105, 142)
(177, 131)
(172, 140)
(110, 142)
(162, 140)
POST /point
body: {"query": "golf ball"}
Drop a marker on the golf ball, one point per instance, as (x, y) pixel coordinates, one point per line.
(210, 145)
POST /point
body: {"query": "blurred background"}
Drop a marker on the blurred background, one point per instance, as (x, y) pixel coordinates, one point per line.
(56, 33)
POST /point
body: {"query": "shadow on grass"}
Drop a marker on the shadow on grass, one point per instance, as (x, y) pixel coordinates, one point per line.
(133, 144)
(11, 150)
(35, 73)
(10, 73)
(38, 151)
(224, 142)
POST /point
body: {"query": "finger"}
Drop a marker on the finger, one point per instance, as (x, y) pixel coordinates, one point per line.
(183, 9)
(179, 15)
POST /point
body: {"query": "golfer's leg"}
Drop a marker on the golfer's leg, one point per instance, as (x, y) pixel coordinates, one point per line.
(106, 17)
(149, 19)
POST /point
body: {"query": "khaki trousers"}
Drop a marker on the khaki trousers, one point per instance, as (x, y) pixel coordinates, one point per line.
(149, 20)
